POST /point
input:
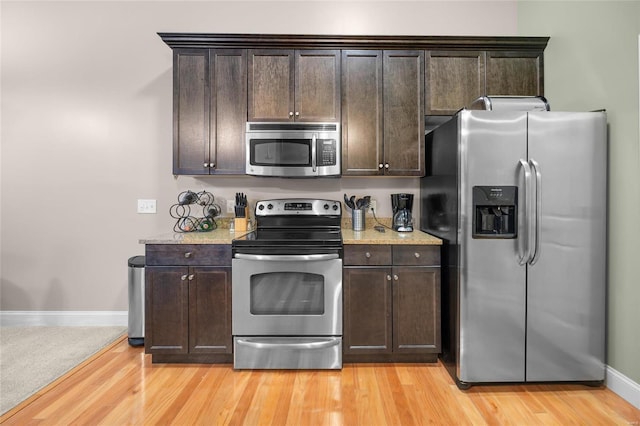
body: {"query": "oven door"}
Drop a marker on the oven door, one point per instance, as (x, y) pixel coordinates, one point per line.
(287, 295)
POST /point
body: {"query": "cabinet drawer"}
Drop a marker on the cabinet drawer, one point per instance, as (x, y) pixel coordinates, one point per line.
(188, 254)
(416, 255)
(365, 255)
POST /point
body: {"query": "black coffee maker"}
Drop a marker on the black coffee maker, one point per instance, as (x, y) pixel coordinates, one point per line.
(401, 205)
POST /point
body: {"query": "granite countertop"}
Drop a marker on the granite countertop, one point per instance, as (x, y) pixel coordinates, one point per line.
(223, 235)
(371, 236)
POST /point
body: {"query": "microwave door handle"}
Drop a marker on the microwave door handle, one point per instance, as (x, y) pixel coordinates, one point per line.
(313, 152)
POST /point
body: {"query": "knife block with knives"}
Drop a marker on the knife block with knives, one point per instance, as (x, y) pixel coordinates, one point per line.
(241, 210)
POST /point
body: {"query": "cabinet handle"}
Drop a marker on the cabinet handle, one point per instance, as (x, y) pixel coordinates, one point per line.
(190, 277)
(183, 278)
(395, 277)
(187, 255)
(417, 255)
(367, 255)
(290, 114)
(388, 277)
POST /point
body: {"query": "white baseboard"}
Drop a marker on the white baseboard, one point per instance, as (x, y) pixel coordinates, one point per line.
(64, 318)
(623, 386)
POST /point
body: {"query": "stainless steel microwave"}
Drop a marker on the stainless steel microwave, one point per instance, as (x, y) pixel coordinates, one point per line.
(293, 149)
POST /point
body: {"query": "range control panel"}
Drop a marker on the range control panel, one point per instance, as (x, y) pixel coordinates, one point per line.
(298, 207)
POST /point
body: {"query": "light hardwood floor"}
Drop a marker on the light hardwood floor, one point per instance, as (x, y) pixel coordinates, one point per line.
(121, 386)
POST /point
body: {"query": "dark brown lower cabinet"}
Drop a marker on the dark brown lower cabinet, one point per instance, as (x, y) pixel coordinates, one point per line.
(391, 303)
(187, 308)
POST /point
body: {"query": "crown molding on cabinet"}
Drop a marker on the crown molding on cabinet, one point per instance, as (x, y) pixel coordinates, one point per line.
(266, 41)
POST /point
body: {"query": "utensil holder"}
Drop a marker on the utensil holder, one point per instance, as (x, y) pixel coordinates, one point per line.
(357, 219)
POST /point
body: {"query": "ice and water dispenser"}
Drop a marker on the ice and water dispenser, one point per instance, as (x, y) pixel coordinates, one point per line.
(495, 211)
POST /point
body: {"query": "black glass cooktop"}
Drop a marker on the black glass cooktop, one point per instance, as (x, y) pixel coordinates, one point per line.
(290, 237)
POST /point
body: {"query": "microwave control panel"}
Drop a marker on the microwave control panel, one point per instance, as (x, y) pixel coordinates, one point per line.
(327, 152)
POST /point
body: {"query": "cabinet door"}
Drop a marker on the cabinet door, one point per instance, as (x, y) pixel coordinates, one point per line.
(416, 310)
(271, 85)
(362, 131)
(367, 310)
(166, 309)
(228, 111)
(210, 310)
(403, 85)
(454, 79)
(317, 85)
(515, 73)
(191, 111)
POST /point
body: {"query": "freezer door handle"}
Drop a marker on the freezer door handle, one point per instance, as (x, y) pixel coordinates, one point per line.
(535, 167)
(524, 247)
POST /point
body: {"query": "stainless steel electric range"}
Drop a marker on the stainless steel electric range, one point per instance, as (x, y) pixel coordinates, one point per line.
(287, 287)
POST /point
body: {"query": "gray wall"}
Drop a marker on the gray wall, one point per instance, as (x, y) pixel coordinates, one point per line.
(591, 62)
(86, 128)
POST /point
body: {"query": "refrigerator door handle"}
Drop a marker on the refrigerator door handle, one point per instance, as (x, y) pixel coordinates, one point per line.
(524, 249)
(538, 211)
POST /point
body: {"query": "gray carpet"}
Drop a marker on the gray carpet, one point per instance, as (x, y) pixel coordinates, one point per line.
(33, 357)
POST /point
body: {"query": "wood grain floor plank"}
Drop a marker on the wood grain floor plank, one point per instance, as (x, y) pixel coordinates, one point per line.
(120, 386)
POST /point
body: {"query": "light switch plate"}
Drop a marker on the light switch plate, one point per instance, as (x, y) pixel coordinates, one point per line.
(372, 206)
(147, 206)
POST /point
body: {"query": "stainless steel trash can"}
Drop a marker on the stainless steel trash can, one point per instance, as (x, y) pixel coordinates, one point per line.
(136, 301)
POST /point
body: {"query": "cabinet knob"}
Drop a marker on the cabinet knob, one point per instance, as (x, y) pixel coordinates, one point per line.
(388, 277)
(190, 277)
(417, 255)
(212, 165)
(297, 114)
(367, 255)
(386, 166)
(183, 278)
(187, 255)
(290, 114)
(205, 165)
(395, 277)
(380, 166)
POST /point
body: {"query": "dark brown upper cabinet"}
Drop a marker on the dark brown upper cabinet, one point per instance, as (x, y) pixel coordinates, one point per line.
(453, 79)
(362, 118)
(379, 87)
(209, 111)
(294, 85)
(383, 113)
(518, 73)
(403, 103)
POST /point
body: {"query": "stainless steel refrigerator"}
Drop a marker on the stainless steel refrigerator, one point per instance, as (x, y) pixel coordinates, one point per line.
(519, 198)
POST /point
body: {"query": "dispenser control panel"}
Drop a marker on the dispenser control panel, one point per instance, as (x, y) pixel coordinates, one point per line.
(495, 212)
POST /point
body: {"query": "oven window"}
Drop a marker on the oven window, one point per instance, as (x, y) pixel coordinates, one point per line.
(287, 293)
(281, 152)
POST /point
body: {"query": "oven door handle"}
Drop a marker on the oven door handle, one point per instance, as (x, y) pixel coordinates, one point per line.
(308, 344)
(287, 257)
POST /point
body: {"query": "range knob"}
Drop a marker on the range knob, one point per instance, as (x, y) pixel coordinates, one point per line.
(260, 207)
(270, 206)
(326, 206)
(335, 207)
